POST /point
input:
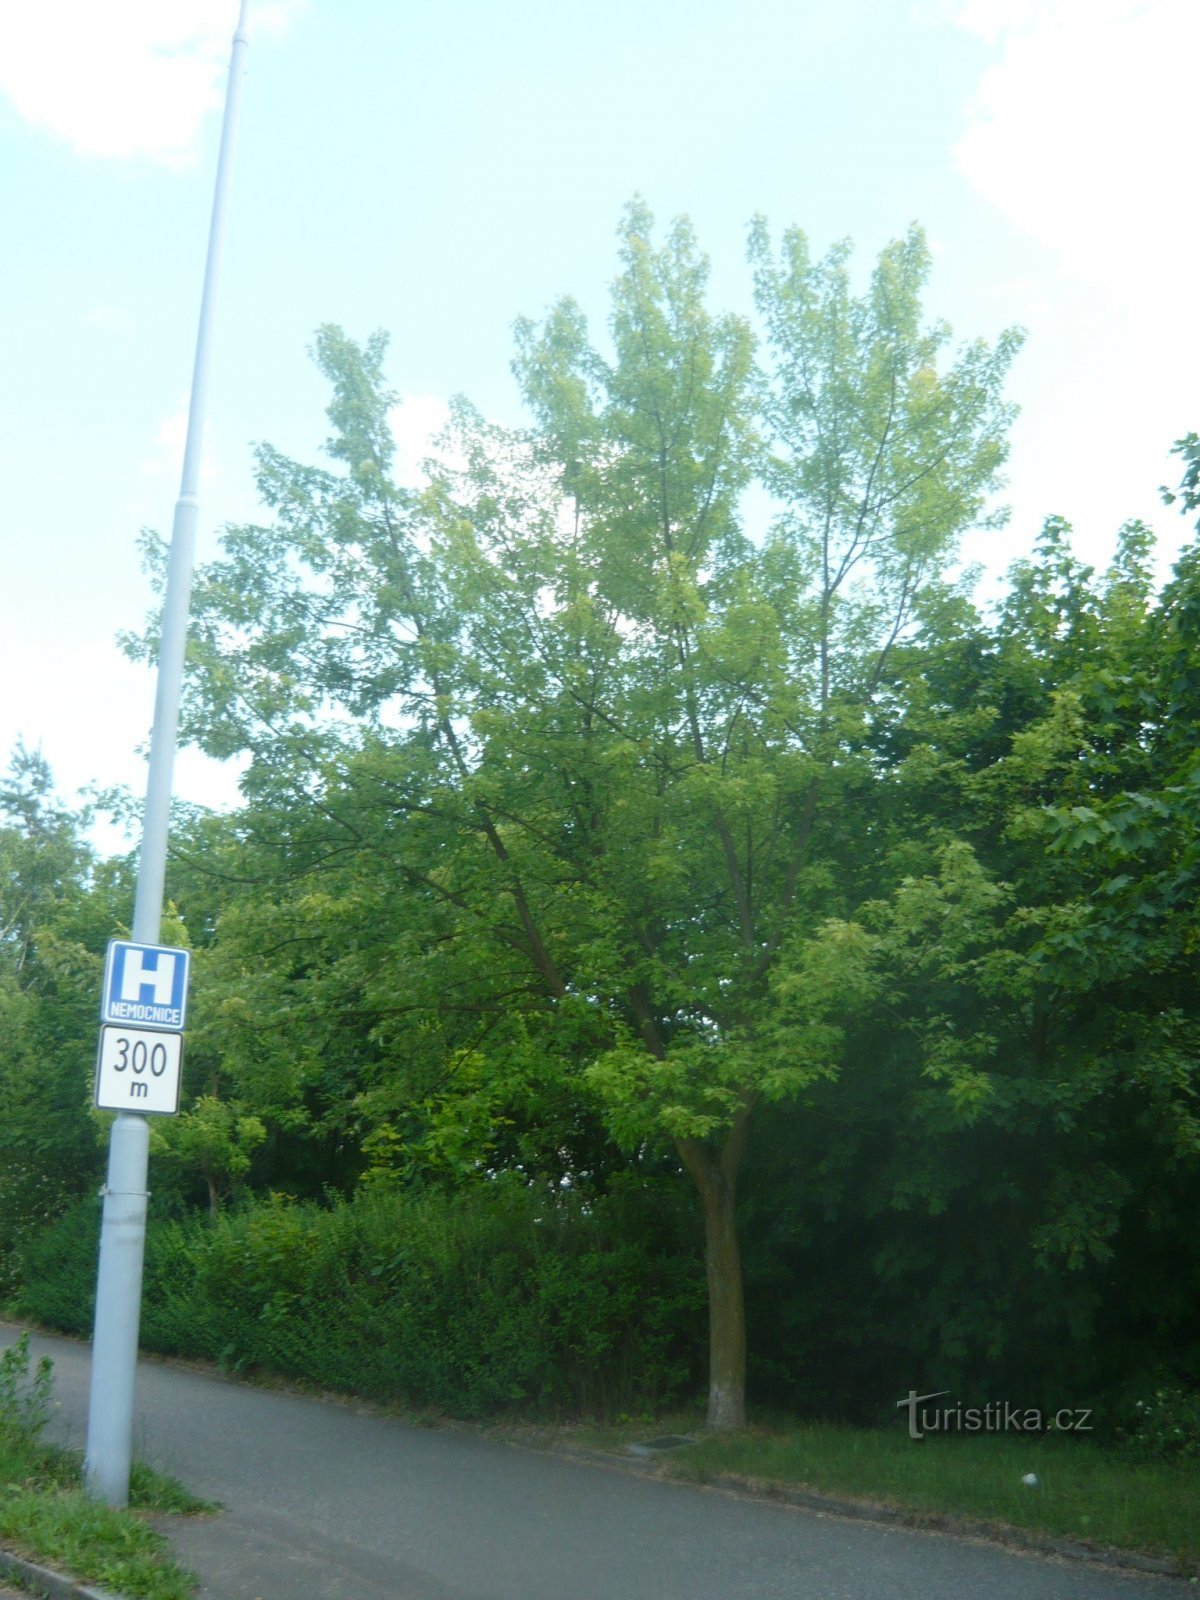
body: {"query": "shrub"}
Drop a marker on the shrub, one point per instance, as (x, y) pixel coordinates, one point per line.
(57, 1270)
(471, 1302)
(1165, 1425)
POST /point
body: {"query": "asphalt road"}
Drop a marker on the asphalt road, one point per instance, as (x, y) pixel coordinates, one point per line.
(324, 1502)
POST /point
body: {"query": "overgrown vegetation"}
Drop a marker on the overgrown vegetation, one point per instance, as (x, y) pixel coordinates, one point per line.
(45, 1515)
(469, 1306)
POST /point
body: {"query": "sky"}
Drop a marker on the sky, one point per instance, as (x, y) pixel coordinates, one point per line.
(440, 171)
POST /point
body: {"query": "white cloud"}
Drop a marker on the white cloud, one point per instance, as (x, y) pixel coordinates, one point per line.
(1081, 134)
(990, 19)
(132, 79)
(1082, 131)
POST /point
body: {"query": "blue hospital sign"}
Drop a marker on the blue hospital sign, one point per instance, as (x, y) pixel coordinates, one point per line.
(145, 985)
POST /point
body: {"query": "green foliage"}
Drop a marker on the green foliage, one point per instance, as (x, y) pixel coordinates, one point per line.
(1011, 1143)
(211, 1138)
(64, 1528)
(546, 749)
(1166, 1426)
(470, 1305)
(57, 910)
(1189, 489)
(151, 1490)
(585, 838)
(489, 1300)
(880, 459)
(550, 765)
(44, 1513)
(57, 1271)
(24, 1400)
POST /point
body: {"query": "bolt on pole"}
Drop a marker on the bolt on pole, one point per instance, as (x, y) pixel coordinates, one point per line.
(123, 1228)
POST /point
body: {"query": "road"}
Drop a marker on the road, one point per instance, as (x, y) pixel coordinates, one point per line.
(325, 1502)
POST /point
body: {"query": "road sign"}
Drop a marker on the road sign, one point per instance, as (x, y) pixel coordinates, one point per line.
(138, 1069)
(145, 985)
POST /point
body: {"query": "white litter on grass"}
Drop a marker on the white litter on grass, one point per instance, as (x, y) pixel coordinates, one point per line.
(1030, 1478)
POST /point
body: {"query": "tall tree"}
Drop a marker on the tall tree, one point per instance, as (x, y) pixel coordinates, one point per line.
(579, 755)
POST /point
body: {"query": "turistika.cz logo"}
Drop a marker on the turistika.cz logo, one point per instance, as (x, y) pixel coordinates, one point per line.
(998, 1416)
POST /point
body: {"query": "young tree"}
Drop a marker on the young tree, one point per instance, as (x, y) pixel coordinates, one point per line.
(764, 666)
(581, 758)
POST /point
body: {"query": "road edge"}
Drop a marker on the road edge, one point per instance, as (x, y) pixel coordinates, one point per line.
(55, 1585)
(997, 1533)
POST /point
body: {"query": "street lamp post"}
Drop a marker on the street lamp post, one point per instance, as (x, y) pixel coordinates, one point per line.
(123, 1229)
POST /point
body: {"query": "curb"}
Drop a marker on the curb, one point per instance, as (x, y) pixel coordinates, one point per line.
(648, 1464)
(42, 1580)
(1002, 1533)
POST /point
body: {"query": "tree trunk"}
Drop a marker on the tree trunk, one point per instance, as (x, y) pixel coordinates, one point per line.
(715, 1175)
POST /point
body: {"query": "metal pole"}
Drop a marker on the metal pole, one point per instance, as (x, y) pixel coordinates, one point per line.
(123, 1229)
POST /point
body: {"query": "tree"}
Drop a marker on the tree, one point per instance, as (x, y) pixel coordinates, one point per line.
(579, 757)
(55, 905)
(211, 1138)
(1029, 1036)
(766, 664)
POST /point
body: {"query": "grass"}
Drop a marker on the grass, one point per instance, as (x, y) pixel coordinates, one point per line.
(46, 1517)
(1085, 1492)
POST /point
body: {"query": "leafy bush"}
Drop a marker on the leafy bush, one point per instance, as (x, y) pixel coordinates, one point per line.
(57, 1270)
(469, 1303)
(1166, 1426)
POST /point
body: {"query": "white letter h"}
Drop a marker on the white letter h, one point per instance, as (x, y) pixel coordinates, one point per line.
(161, 977)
